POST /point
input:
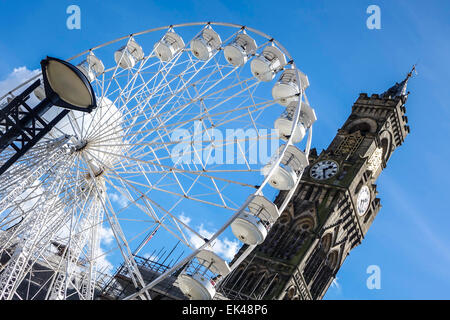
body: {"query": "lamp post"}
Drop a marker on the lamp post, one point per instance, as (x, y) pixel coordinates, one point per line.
(21, 126)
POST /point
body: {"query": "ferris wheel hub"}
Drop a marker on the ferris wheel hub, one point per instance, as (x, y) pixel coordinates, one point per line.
(78, 145)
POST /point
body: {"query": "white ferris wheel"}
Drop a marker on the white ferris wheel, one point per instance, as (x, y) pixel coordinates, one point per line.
(183, 135)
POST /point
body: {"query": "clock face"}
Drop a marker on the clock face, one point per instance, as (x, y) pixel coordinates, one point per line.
(362, 203)
(324, 169)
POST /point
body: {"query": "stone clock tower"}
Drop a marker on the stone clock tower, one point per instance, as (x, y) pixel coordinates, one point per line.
(332, 209)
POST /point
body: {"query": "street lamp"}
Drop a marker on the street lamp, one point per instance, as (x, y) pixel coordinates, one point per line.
(21, 126)
(67, 86)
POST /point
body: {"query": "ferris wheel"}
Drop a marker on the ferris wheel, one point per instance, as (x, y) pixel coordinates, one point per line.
(197, 124)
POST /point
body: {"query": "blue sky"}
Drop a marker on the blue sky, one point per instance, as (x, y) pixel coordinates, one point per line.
(330, 42)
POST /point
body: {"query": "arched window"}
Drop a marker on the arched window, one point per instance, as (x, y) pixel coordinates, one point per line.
(386, 146)
(364, 126)
(317, 258)
(277, 234)
(290, 293)
(271, 290)
(326, 242)
(260, 285)
(300, 232)
(325, 274)
(252, 279)
(237, 275)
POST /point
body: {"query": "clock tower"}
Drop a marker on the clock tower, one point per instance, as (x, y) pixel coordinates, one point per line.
(332, 209)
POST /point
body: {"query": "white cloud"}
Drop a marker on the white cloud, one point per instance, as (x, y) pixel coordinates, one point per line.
(119, 198)
(336, 284)
(103, 264)
(184, 218)
(106, 238)
(16, 77)
(106, 235)
(224, 247)
(149, 257)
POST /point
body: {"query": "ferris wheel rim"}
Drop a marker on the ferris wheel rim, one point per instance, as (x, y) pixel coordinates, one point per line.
(190, 24)
(226, 24)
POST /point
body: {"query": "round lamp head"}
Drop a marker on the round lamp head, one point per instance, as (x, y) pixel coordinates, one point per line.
(67, 86)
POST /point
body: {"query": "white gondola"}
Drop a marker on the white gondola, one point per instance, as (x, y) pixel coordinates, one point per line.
(290, 169)
(252, 225)
(170, 44)
(88, 72)
(286, 89)
(265, 66)
(39, 92)
(284, 123)
(200, 277)
(238, 51)
(127, 56)
(307, 115)
(91, 67)
(204, 46)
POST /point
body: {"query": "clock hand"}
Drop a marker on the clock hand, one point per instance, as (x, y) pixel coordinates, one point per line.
(326, 169)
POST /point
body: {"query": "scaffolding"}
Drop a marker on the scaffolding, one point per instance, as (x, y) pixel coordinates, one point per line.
(151, 266)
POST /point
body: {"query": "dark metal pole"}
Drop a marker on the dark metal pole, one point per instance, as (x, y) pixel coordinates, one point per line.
(38, 137)
(25, 129)
(14, 132)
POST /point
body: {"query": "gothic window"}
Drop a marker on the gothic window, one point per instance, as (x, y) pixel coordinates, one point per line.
(321, 281)
(332, 259)
(284, 219)
(252, 281)
(291, 239)
(271, 289)
(313, 263)
(237, 275)
(274, 238)
(280, 250)
(317, 257)
(276, 235)
(363, 125)
(258, 290)
(386, 146)
(267, 244)
(326, 242)
(290, 293)
(325, 274)
(301, 231)
(349, 144)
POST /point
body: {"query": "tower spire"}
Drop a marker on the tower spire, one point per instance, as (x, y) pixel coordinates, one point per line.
(399, 89)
